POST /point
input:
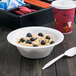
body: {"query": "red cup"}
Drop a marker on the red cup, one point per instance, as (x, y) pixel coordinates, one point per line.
(64, 19)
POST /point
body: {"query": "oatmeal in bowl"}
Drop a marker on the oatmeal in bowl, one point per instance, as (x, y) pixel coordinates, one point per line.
(35, 42)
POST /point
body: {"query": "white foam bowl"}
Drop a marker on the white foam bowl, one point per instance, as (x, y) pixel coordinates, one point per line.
(35, 52)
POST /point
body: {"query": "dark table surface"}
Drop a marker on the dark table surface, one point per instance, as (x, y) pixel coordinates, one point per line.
(13, 64)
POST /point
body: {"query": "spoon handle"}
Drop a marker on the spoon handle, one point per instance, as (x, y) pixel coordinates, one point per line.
(52, 61)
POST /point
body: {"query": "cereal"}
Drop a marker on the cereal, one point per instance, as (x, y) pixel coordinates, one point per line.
(36, 40)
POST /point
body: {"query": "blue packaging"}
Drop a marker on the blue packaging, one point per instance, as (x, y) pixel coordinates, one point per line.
(13, 3)
(3, 5)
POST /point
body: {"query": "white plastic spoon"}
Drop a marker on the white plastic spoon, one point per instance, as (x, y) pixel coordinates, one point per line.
(71, 52)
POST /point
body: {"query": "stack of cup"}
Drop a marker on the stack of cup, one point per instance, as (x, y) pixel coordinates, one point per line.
(64, 11)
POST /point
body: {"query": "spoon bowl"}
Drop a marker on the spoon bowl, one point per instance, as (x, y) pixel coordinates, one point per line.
(70, 52)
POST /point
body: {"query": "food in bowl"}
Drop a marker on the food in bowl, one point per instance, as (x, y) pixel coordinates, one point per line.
(36, 40)
(35, 52)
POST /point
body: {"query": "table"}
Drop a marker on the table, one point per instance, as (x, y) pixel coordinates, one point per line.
(13, 64)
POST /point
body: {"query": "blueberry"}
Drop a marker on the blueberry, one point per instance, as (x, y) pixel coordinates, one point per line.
(32, 39)
(22, 40)
(40, 34)
(29, 35)
(43, 42)
(52, 42)
(28, 41)
(48, 37)
(36, 38)
(35, 45)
